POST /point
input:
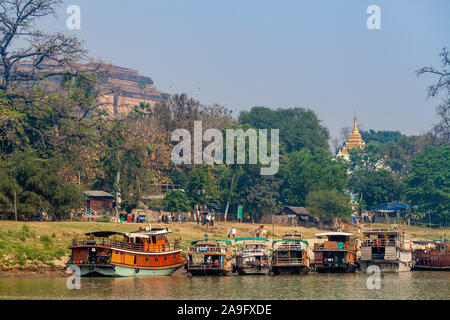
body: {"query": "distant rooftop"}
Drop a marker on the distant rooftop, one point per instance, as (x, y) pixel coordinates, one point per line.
(98, 193)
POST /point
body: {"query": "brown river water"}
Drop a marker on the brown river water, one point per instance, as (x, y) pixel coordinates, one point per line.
(408, 285)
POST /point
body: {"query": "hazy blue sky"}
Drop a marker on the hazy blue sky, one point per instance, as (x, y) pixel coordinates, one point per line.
(312, 54)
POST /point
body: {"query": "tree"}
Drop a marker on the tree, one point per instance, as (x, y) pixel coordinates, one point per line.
(202, 188)
(305, 171)
(374, 187)
(37, 186)
(429, 182)
(299, 128)
(442, 129)
(176, 201)
(257, 194)
(328, 204)
(27, 54)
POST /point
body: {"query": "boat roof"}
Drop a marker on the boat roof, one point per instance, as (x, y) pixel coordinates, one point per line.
(251, 239)
(146, 233)
(228, 242)
(103, 234)
(381, 232)
(330, 234)
(283, 240)
(293, 236)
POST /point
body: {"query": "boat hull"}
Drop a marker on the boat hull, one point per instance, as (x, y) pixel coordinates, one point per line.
(208, 272)
(430, 268)
(387, 266)
(280, 270)
(253, 270)
(122, 271)
(346, 268)
(94, 271)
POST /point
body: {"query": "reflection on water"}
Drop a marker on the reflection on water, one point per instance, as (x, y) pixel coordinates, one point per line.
(408, 285)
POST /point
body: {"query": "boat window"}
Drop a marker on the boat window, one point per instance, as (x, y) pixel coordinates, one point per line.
(146, 259)
(153, 239)
(165, 258)
(156, 259)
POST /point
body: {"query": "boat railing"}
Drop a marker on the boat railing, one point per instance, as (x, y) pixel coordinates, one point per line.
(206, 265)
(256, 252)
(289, 247)
(96, 242)
(145, 248)
(379, 243)
(196, 249)
(86, 259)
(335, 245)
(287, 260)
(127, 245)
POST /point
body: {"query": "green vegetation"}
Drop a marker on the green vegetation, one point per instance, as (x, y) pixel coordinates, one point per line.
(57, 139)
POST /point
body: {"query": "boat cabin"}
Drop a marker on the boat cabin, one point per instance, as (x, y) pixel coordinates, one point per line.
(336, 253)
(290, 255)
(209, 255)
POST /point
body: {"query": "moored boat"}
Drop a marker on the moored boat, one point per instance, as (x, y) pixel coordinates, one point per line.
(433, 256)
(92, 254)
(387, 249)
(146, 253)
(209, 257)
(337, 254)
(253, 257)
(290, 255)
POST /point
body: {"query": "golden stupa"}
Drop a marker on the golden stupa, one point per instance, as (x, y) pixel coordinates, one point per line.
(354, 141)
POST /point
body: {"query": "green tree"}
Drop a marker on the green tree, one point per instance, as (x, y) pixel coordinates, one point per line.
(299, 128)
(37, 186)
(328, 204)
(259, 195)
(202, 188)
(429, 183)
(305, 171)
(176, 201)
(374, 187)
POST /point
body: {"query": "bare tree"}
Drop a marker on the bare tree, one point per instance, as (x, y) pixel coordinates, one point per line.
(442, 129)
(27, 54)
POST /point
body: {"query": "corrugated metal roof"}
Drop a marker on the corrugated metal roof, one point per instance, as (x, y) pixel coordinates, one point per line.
(98, 193)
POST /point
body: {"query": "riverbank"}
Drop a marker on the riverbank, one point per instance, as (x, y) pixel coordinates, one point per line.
(35, 249)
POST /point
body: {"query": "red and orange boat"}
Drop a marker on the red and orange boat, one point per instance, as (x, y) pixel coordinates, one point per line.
(146, 253)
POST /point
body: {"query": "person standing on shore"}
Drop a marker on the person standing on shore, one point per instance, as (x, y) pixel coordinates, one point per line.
(228, 232)
(233, 232)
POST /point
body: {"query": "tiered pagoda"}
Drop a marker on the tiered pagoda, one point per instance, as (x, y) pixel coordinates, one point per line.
(354, 141)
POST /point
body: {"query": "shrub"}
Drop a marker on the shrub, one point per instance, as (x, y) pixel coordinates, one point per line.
(45, 239)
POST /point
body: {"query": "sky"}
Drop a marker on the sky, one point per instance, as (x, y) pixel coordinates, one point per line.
(312, 54)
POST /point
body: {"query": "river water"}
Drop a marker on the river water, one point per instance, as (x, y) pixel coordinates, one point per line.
(408, 285)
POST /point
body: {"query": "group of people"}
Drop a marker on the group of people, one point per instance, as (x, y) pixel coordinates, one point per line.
(123, 217)
(231, 232)
(206, 218)
(170, 218)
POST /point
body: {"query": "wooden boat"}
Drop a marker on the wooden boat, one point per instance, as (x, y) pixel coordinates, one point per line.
(253, 257)
(92, 254)
(435, 255)
(387, 249)
(146, 253)
(290, 255)
(337, 254)
(209, 257)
